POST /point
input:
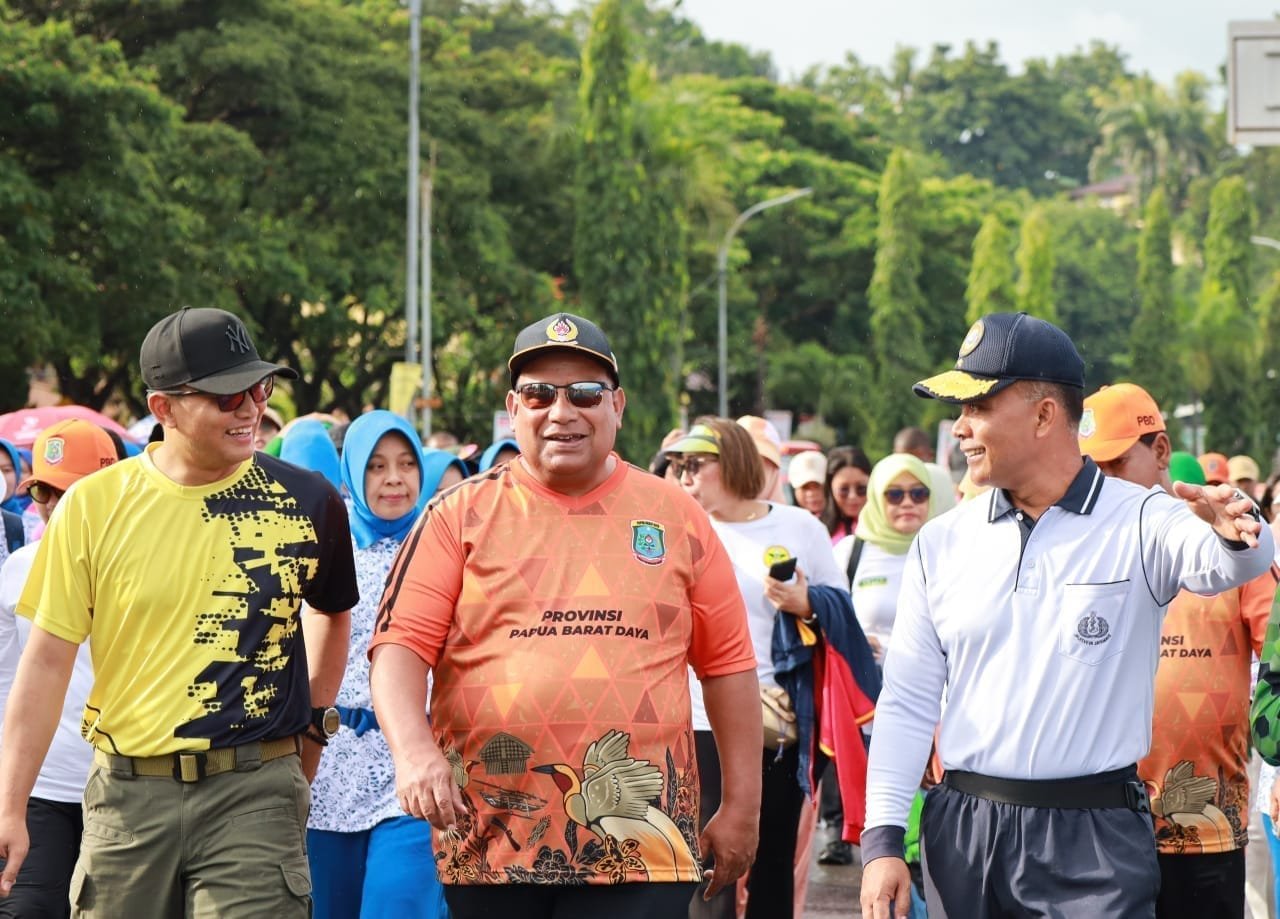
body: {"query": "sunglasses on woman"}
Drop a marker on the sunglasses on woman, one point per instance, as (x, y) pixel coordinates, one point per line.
(691, 465)
(848, 491)
(42, 494)
(580, 395)
(917, 493)
(259, 392)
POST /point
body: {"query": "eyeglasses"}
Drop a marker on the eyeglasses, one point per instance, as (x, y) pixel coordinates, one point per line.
(917, 493)
(42, 494)
(580, 395)
(692, 464)
(848, 491)
(260, 392)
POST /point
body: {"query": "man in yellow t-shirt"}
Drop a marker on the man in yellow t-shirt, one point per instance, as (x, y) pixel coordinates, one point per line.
(187, 568)
(1195, 771)
(558, 600)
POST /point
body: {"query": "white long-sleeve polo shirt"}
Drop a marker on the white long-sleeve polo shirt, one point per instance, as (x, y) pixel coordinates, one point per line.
(1045, 637)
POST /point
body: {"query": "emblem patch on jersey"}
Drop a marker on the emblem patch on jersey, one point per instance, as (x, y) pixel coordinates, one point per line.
(1093, 629)
(562, 330)
(1088, 424)
(972, 338)
(648, 541)
(775, 554)
(54, 450)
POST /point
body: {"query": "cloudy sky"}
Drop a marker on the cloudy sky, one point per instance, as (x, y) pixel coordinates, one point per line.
(1160, 37)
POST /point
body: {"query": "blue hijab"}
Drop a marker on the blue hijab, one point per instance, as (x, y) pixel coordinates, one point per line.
(361, 440)
(15, 502)
(491, 453)
(308, 445)
(434, 465)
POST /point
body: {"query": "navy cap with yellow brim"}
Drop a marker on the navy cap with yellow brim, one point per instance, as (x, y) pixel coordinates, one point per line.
(1000, 349)
(563, 332)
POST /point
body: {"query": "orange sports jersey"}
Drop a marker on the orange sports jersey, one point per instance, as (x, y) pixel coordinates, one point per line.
(559, 630)
(1196, 770)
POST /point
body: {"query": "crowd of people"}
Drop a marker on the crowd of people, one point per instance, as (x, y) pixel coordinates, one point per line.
(320, 667)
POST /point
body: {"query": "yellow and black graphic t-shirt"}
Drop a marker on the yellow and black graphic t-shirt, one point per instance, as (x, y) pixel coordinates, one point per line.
(190, 599)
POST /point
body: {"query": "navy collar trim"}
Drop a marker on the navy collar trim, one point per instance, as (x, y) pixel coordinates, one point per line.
(1080, 497)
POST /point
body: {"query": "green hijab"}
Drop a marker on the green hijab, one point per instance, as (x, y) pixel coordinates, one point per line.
(873, 522)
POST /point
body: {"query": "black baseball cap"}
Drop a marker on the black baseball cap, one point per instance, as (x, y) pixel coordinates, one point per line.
(1000, 349)
(206, 349)
(563, 332)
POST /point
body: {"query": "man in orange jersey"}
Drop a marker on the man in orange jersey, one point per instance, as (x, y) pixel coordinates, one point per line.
(1196, 769)
(557, 601)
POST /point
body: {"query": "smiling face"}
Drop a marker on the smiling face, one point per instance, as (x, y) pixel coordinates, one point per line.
(203, 444)
(849, 490)
(392, 477)
(563, 446)
(997, 436)
(908, 516)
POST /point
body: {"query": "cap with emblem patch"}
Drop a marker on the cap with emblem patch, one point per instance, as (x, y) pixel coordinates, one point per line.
(563, 332)
(1114, 418)
(1000, 349)
(68, 451)
(206, 349)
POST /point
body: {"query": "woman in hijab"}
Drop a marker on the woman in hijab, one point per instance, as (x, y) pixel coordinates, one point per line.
(498, 452)
(369, 858)
(307, 444)
(899, 501)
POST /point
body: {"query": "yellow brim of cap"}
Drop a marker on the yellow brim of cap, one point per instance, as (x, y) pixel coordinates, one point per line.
(1104, 451)
(694, 443)
(958, 386)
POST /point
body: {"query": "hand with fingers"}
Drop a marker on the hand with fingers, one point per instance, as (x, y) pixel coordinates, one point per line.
(1231, 513)
(14, 844)
(886, 885)
(729, 839)
(426, 789)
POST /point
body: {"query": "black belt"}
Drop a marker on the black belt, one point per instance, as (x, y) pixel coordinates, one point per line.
(1119, 788)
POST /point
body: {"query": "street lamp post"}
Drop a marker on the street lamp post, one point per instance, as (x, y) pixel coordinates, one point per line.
(722, 271)
(411, 218)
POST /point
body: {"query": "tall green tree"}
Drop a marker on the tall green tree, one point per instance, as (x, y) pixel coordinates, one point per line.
(626, 267)
(1226, 327)
(897, 305)
(1268, 377)
(1153, 341)
(990, 288)
(1035, 266)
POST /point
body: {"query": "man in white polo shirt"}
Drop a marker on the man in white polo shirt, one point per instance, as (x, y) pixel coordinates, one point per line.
(1037, 610)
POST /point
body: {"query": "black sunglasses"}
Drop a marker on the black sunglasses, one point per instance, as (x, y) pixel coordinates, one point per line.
(691, 464)
(580, 395)
(260, 392)
(918, 494)
(42, 494)
(845, 491)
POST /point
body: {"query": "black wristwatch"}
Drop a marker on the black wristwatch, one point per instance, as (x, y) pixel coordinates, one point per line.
(326, 721)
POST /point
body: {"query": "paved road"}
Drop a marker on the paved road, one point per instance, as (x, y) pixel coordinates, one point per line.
(833, 892)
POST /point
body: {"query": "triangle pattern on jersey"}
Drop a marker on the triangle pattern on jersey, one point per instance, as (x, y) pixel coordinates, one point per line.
(504, 695)
(1220, 702)
(472, 518)
(568, 735)
(472, 696)
(592, 585)
(590, 667)
(1231, 645)
(645, 713)
(531, 569)
(667, 614)
(1191, 702)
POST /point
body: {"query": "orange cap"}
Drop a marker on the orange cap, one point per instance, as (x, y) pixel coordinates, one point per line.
(1114, 418)
(768, 441)
(66, 452)
(1217, 469)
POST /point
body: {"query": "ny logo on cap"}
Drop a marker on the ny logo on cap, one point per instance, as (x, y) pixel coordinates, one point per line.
(238, 338)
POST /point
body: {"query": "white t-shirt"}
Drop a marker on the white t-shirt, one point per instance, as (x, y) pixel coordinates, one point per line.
(876, 583)
(800, 534)
(66, 767)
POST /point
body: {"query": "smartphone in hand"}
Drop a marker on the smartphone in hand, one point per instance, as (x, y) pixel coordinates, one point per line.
(784, 570)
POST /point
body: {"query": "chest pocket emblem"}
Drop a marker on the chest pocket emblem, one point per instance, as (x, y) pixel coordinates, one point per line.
(648, 541)
(1093, 629)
